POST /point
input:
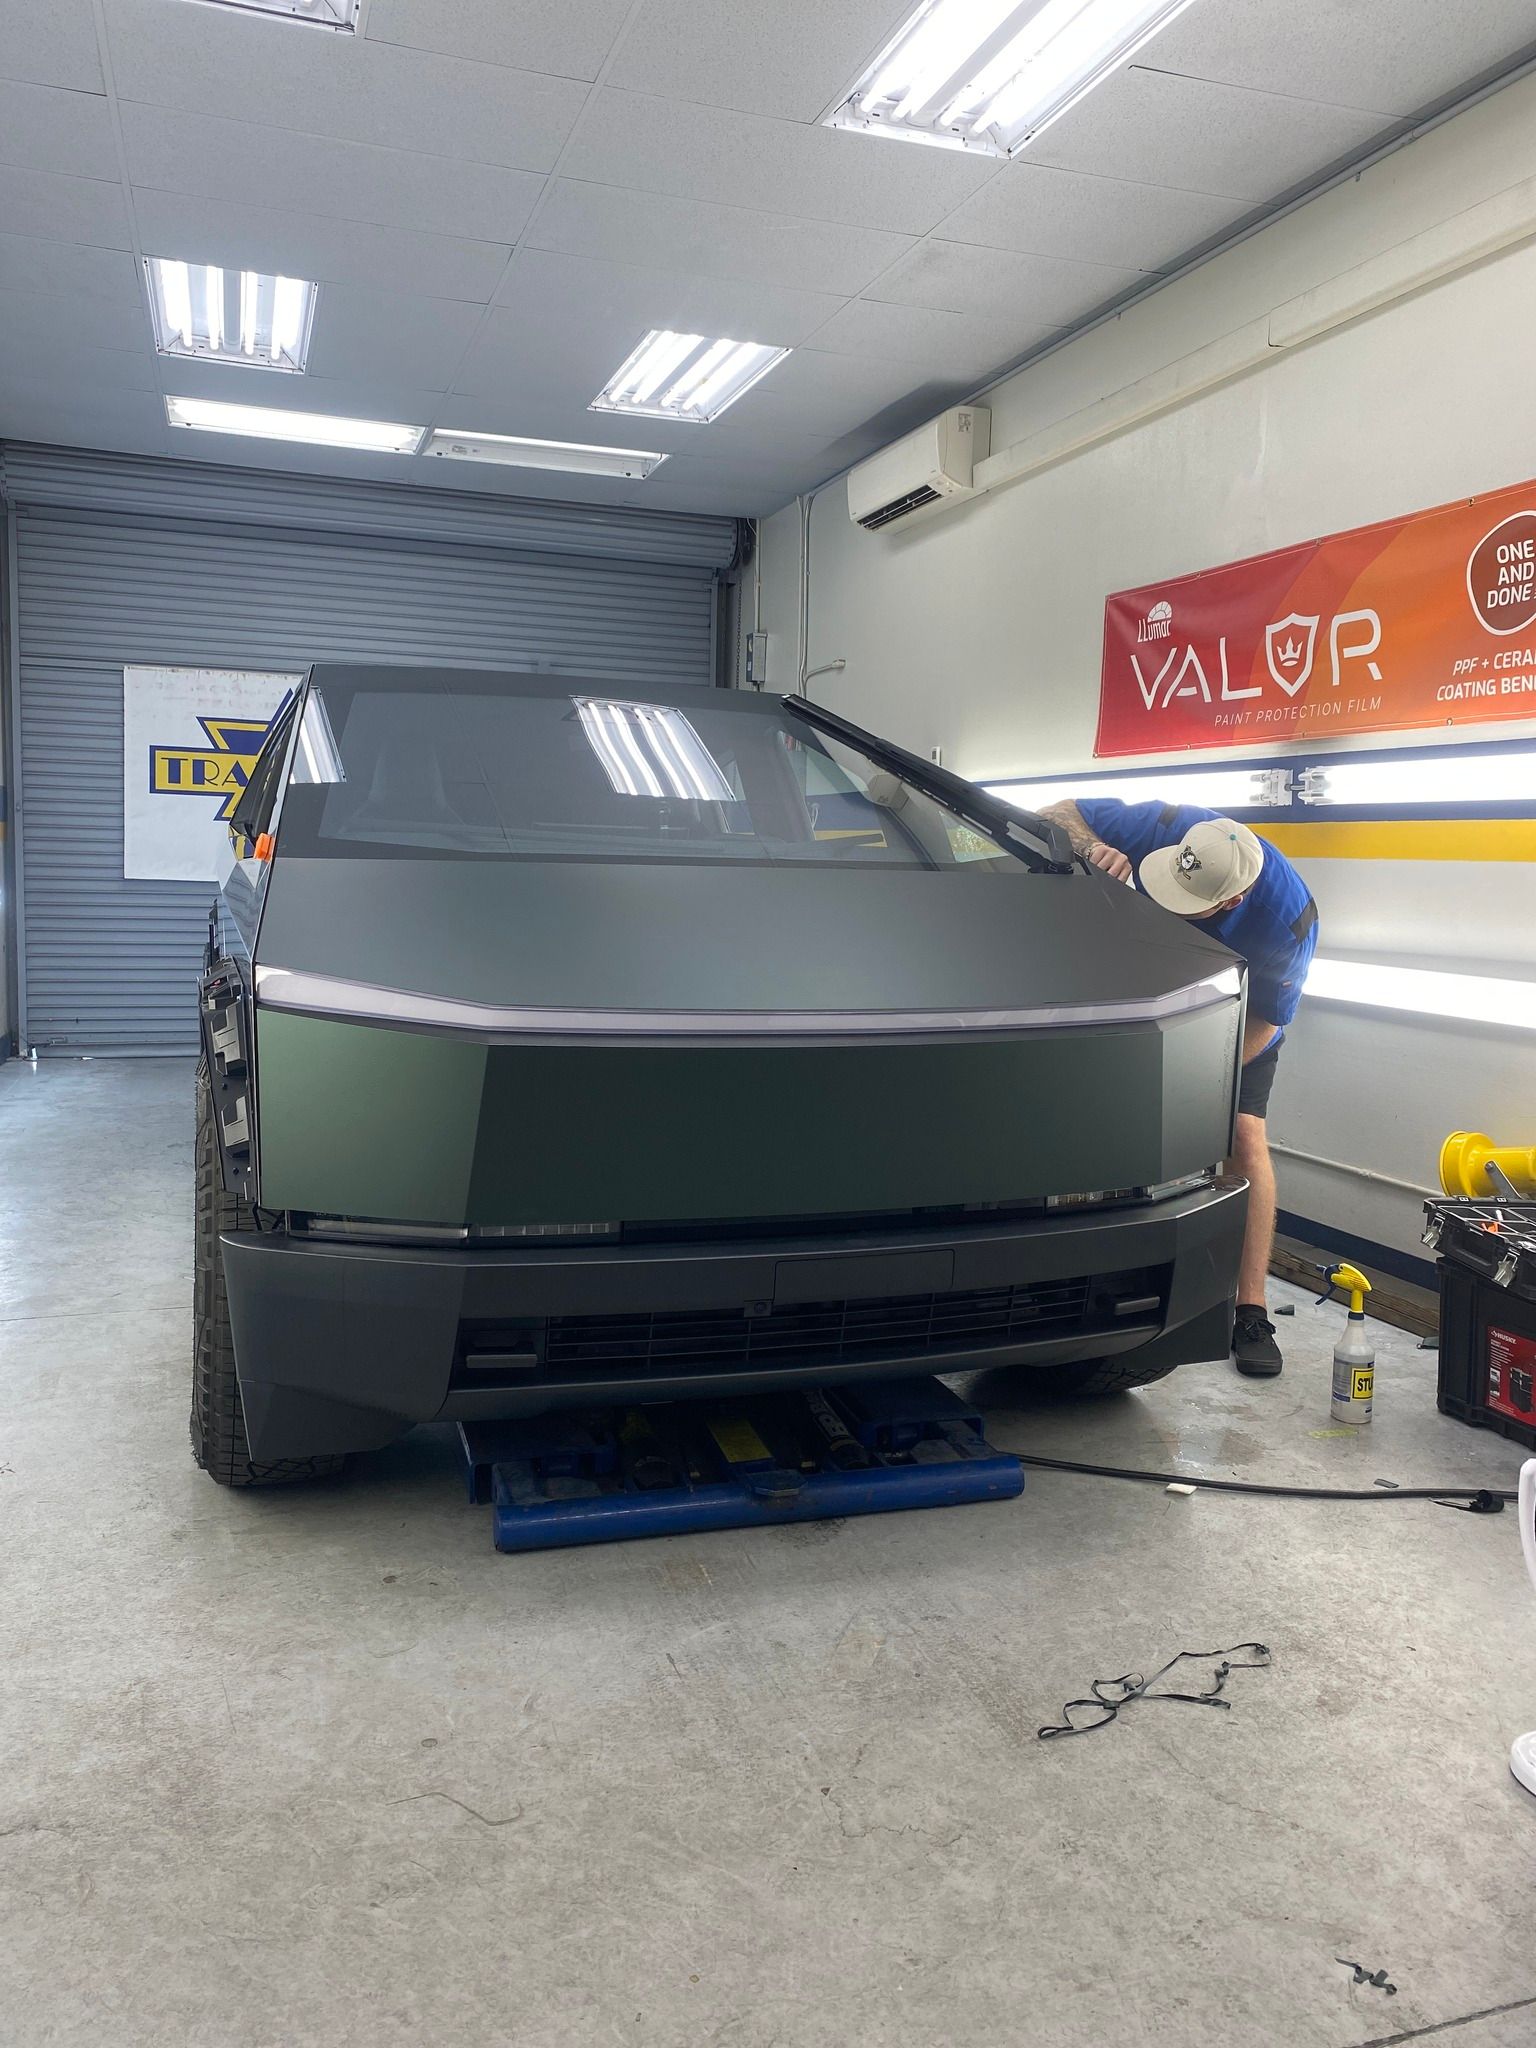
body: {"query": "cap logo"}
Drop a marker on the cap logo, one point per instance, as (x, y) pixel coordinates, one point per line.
(1189, 862)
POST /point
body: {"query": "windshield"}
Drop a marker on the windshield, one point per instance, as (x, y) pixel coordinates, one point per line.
(535, 769)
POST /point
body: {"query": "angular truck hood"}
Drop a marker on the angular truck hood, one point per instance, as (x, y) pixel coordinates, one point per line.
(479, 938)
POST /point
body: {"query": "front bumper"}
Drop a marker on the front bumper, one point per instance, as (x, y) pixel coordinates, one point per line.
(340, 1347)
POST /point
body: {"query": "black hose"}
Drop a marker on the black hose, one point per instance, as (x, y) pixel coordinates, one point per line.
(1480, 1499)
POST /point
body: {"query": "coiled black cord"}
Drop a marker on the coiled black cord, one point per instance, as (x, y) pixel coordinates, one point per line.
(1109, 1695)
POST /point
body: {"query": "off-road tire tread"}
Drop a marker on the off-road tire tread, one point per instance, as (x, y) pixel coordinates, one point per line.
(218, 1420)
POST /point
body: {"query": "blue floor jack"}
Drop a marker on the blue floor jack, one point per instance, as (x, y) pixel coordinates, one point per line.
(606, 1476)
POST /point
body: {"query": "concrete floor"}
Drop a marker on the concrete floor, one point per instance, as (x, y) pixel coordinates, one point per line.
(321, 1768)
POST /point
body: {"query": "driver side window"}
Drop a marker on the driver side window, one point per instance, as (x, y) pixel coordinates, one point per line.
(254, 813)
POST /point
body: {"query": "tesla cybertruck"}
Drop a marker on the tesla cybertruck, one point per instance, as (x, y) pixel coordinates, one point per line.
(568, 1043)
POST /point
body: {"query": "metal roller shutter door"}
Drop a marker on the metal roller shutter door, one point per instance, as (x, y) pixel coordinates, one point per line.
(107, 964)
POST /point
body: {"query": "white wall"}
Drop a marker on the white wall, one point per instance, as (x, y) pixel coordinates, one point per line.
(980, 631)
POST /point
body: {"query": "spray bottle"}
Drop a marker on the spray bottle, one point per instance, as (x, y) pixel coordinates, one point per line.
(1354, 1356)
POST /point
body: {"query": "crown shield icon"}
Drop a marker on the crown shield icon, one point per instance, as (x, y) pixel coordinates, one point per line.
(1289, 646)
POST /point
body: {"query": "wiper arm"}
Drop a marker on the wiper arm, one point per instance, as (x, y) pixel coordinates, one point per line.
(1039, 842)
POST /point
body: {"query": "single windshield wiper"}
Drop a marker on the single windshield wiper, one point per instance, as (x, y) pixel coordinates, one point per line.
(1043, 845)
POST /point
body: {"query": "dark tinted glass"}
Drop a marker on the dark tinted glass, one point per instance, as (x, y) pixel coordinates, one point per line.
(542, 771)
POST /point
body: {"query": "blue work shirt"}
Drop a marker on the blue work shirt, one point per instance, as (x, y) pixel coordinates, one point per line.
(1274, 928)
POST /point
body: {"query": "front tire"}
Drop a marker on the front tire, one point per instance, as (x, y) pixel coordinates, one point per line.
(1082, 1377)
(218, 1419)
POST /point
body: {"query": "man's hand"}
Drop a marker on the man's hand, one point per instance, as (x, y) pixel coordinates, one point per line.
(1109, 858)
(1085, 843)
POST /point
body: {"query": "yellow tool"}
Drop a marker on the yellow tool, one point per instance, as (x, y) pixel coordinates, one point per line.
(1465, 1159)
(1354, 1356)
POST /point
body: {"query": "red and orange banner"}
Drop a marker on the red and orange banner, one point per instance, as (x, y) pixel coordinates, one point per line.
(1423, 621)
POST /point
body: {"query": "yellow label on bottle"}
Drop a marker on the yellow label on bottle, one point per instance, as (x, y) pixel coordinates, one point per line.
(1365, 1382)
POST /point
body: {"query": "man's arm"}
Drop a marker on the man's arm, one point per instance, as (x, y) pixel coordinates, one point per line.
(1097, 852)
(1257, 1033)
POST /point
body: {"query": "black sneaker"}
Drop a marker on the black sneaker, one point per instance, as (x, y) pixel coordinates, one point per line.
(1254, 1350)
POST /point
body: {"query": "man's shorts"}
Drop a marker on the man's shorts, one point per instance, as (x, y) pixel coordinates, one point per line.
(1258, 1079)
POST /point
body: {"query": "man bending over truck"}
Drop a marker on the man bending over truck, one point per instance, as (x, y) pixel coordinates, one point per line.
(1202, 866)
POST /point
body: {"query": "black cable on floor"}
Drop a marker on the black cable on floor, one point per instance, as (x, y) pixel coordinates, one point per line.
(1480, 1500)
(1109, 1695)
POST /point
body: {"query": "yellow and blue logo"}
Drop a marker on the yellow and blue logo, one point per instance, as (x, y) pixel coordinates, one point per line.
(221, 769)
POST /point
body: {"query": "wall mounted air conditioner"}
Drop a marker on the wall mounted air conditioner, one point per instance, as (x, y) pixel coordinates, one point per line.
(923, 472)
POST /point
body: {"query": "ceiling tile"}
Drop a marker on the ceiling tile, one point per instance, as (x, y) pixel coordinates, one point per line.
(569, 38)
(50, 42)
(1042, 291)
(356, 90)
(735, 159)
(562, 325)
(390, 337)
(32, 321)
(64, 209)
(214, 159)
(57, 410)
(812, 390)
(687, 486)
(737, 440)
(569, 293)
(1149, 128)
(33, 266)
(45, 128)
(1393, 56)
(1039, 211)
(792, 59)
(306, 245)
(965, 346)
(72, 361)
(769, 424)
(720, 241)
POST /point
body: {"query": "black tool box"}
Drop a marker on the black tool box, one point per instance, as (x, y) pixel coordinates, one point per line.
(1487, 1267)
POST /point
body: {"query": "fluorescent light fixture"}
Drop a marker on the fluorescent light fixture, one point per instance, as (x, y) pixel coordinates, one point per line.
(516, 451)
(268, 423)
(340, 14)
(987, 75)
(1449, 777)
(230, 316)
(1215, 789)
(686, 376)
(652, 750)
(1426, 991)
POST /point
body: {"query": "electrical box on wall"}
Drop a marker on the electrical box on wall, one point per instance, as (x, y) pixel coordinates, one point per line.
(757, 660)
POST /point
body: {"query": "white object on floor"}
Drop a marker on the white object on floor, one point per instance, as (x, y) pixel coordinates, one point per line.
(1522, 1757)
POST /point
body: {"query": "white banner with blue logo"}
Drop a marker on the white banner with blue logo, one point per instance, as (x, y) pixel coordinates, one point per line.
(190, 740)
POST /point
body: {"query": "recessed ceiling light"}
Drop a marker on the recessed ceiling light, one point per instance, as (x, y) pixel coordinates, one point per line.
(324, 13)
(686, 376)
(515, 451)
(268, 423)
(988, 74)
(230, 316)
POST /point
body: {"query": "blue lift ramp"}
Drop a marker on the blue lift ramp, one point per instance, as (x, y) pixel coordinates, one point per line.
(611, 1475)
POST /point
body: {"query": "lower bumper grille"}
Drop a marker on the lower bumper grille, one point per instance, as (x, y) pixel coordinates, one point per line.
(812, 1333)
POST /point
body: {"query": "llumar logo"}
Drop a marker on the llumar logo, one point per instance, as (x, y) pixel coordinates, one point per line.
(221, 769)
